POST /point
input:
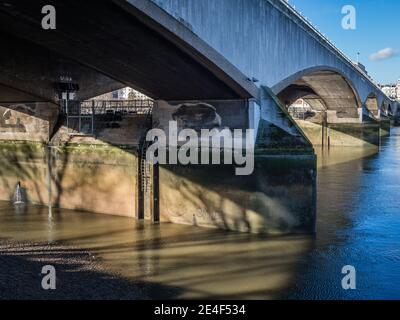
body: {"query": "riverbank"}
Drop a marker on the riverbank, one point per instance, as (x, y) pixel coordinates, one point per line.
(80, 275)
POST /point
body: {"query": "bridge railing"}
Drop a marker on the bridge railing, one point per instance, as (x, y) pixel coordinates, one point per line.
(92, 116)
(124, 106)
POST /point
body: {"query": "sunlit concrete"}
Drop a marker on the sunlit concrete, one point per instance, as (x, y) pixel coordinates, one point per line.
(29, 72)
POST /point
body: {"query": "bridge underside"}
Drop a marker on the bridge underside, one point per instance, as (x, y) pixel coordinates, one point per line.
(101, 50)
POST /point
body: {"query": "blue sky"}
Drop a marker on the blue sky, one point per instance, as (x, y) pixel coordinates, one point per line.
(377, 28)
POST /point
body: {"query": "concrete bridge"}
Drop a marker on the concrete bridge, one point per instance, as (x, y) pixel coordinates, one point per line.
(222, 46)
(269, 42)
(249, 59)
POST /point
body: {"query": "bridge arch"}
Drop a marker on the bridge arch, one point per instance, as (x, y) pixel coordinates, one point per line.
(387, 108)
(324, 89)
(372, 104)
(390, 109)
(384, 107)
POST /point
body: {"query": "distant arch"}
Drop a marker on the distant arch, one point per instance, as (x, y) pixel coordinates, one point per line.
(390, 109)
(371, 103)
(387, 108)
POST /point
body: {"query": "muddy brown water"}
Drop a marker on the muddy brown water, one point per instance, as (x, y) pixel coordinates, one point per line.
(358, 224)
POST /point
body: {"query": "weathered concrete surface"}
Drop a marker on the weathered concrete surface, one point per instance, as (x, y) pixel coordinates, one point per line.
(315, 132)
(341, 134)
(27, 121)
(8, 94)
(219, 64)
(87, 173)
(100, 173)
(96, 178)
(277, 132)
(170, 59)
(100, 179)
(385, 124)
(278, 198)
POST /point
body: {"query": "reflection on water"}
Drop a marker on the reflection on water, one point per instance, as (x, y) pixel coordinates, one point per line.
(191, 262)
(358, 224)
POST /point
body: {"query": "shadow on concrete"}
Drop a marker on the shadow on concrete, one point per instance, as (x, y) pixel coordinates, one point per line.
(277, 198)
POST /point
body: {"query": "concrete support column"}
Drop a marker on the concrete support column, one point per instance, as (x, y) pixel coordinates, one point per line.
(360, 114)
(28, 121)
(341, 131)
(384, 122)
(265, 201)
(254, 116)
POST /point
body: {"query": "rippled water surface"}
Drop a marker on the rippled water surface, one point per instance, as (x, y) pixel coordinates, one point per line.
(358, 224)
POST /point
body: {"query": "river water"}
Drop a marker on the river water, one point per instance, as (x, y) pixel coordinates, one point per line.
(358, 224)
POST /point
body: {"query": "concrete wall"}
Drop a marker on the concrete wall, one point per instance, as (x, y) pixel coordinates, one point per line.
(81, 172)
(33, 121)
(385, 124)
(342, 134)
(313, 131)
(278, 198)
(98, 178)
(100, 173)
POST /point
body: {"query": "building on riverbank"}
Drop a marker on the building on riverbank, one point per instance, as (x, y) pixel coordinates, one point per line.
(392, 90)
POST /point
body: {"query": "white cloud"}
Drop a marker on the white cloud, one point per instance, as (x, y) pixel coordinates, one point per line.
(383, 54)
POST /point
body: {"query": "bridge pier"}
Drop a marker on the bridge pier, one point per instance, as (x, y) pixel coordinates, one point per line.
(98, 169)
(328, 130)
(92, 172)
(395, 115)
(278, 197)
(385, 124)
